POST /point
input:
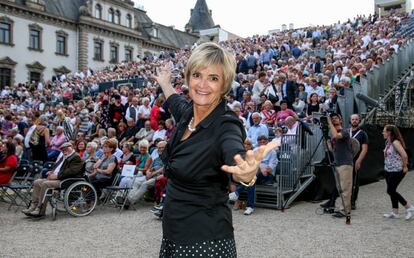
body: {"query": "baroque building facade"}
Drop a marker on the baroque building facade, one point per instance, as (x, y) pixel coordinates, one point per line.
(43, 38)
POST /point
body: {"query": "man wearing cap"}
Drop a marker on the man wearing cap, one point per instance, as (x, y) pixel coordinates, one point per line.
(68, 165)
(343, 159)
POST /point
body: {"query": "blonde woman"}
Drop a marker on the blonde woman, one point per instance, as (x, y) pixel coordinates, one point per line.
(207, 144)
(144, 112)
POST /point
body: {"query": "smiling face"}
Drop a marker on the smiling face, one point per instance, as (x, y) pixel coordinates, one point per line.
(206, 86)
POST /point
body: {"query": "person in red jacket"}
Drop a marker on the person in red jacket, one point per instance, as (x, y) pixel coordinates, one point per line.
(8, 164)
(156, 111)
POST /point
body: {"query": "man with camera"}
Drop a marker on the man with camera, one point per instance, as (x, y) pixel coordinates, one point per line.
(343, 160)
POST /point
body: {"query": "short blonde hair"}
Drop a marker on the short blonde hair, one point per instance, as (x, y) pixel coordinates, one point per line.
(212, 54)
(112, 131)
(92, 145)
(145, 99)
(267, 103)
(143, 143)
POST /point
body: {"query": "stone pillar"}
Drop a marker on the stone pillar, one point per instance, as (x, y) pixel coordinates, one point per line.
(82, 49)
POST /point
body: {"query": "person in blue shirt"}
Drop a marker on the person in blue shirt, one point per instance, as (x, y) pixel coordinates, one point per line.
(265, 175)
(257, 129)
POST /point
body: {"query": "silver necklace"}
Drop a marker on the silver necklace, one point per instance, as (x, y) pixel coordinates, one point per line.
(191, 129)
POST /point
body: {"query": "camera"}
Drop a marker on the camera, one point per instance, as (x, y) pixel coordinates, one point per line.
(324, 125)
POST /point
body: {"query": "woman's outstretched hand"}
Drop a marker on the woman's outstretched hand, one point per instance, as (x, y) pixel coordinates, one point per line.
(245, 170)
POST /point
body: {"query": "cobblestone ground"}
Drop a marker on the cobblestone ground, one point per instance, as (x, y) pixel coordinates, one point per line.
(298, 232)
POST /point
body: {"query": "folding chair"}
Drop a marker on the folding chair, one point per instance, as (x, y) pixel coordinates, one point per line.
(19, 187)
(48, 165)
(127, 171)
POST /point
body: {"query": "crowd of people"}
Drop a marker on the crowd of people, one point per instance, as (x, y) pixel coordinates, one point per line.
(280, 78)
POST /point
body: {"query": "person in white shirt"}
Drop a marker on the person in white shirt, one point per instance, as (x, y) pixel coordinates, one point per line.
(144, 112)
(231, 102)
(238, 112)
(292, 125)
(32, 127)
(314, 88)
(161, 132)
(258, 87)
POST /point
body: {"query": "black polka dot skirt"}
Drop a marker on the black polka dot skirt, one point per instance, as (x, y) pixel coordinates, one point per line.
(215, 248)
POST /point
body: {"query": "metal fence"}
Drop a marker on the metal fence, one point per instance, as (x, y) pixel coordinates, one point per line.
(380, 79)
(137, 82)
(297, 155)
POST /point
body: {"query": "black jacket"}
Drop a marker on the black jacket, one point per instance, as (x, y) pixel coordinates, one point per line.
(72, 167)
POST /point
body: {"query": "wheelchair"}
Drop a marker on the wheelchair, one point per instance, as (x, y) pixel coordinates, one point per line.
(75, 196)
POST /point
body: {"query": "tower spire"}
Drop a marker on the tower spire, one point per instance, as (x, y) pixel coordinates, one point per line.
(201, 18)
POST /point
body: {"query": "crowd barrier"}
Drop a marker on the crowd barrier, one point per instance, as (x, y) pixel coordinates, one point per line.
(298, 154)
(137, 82)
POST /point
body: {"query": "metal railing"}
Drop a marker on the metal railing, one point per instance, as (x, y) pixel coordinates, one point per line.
(297, 155)
(382, 78)
(137, 82)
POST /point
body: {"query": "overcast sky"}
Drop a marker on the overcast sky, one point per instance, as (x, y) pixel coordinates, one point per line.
(249, 17)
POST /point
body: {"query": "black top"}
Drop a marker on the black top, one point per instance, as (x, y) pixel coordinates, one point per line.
(312, 108)
(196, 207)
(362, 137)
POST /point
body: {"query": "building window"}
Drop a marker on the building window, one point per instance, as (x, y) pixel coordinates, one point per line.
(113, 55)
(98, 11)
(6, 31)
(129, 21)
(98, 50)
(35, 77)
(111, 15)
(35, 37)
(155, 32)
(35, 71)
(61, 43)
(128, 54)
(5, 77)
(118, 17)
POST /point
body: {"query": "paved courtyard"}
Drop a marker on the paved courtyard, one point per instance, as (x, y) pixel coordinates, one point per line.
(298, 232)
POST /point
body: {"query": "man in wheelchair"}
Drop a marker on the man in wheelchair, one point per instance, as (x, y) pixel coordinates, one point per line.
(68, 165)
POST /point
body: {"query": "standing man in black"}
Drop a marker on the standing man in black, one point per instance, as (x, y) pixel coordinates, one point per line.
(116, 112)
(289, 90)
(241, 66)
(362, 137)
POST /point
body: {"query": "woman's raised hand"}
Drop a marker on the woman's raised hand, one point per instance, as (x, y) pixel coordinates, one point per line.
(245, 170)
(163, 76)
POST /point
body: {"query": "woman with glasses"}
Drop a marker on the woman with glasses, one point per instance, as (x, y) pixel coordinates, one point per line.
(102, 174)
